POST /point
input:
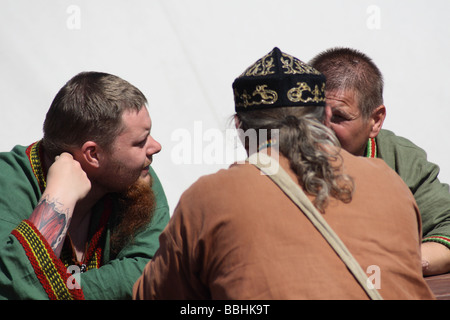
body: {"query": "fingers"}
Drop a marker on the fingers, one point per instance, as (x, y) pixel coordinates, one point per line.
(67, 176)
(64, 154)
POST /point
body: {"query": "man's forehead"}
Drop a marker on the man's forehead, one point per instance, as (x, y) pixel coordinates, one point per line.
(133, 119)
(345, 96)
(135, 114)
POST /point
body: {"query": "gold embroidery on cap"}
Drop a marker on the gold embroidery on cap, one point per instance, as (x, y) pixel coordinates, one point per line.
(262, 67)
(296, 94)
(267, 97)
(294, 66)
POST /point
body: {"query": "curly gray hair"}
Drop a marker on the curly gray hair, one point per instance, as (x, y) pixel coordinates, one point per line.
(311, 147)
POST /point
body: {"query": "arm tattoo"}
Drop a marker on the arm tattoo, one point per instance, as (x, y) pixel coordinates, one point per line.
(50, 221)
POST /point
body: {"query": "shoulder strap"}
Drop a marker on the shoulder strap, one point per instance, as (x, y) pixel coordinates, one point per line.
(296, 194)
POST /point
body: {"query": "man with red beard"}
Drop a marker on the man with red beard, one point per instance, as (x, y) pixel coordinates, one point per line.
(81, 210)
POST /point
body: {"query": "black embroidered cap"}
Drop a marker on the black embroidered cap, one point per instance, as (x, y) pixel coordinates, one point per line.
(278, 80)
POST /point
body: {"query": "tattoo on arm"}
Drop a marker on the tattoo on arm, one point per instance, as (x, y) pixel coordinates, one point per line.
(51, 221)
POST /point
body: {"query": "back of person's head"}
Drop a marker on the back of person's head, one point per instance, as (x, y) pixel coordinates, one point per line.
(89, 107)
(281, 92)
(348, 69)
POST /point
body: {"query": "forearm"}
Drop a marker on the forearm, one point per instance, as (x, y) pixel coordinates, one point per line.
(52, 221)
(36, 263)
(67, 184)
(436, 258)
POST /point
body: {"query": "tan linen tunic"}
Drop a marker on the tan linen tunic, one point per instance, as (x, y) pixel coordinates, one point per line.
(236, 235)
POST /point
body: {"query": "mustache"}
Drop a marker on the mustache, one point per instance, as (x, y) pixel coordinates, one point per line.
(148, 162)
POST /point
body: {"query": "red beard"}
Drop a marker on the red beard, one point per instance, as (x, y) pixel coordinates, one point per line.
(136, 206)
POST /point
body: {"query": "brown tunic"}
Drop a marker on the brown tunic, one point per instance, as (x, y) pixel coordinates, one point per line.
(236, 235)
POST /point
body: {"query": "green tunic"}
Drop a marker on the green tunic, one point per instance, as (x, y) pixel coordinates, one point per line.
(28, 267)
(421, 176)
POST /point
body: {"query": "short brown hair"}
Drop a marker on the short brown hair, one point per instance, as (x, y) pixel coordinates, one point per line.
(89, 107)
(350, 69)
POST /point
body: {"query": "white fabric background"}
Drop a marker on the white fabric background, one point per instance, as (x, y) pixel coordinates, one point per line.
(185, 54)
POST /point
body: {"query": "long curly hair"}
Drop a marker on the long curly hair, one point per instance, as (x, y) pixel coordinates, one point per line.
(311, 147)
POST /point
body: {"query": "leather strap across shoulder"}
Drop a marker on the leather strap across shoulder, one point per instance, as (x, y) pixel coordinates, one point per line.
(270, 167)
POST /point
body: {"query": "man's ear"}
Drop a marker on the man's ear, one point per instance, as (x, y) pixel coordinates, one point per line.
(237, 123)
(90, 153)
(377, 119)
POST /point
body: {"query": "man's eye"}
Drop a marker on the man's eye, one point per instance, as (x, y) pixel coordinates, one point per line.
(337, 118)
(142, 143)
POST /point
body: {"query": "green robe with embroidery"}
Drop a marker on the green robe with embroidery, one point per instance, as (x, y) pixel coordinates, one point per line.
(28, 267)
(421, 176)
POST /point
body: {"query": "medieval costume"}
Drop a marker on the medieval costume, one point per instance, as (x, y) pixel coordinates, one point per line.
(421, 176)
(236, 234)
(29, 267)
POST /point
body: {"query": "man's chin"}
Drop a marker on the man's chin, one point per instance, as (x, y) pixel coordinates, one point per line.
(144, 178)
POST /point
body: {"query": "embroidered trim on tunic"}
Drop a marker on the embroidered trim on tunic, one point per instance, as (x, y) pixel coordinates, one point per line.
(48, 268)
(34, 155)
(371, 152)
(51, 271)
(438, 238)
(93, 257)
(371, 149)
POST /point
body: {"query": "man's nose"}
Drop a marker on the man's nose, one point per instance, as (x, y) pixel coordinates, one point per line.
(154, 146)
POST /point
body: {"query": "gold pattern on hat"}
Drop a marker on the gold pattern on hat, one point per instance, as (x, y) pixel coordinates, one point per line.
(262, 67)
(293, 65)
(267, 96)
(296, 94)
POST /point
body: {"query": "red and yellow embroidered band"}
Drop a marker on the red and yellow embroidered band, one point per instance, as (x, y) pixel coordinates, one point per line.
(438, 238)
(93, 257)
(94, 253)
(48, 268)
(51, 271)
(371, 149)
(34, 155)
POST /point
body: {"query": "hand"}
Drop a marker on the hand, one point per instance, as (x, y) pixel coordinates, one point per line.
(66, 180)
(67, 183)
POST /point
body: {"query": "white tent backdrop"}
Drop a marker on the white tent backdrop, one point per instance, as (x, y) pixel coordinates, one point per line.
(185, 54)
